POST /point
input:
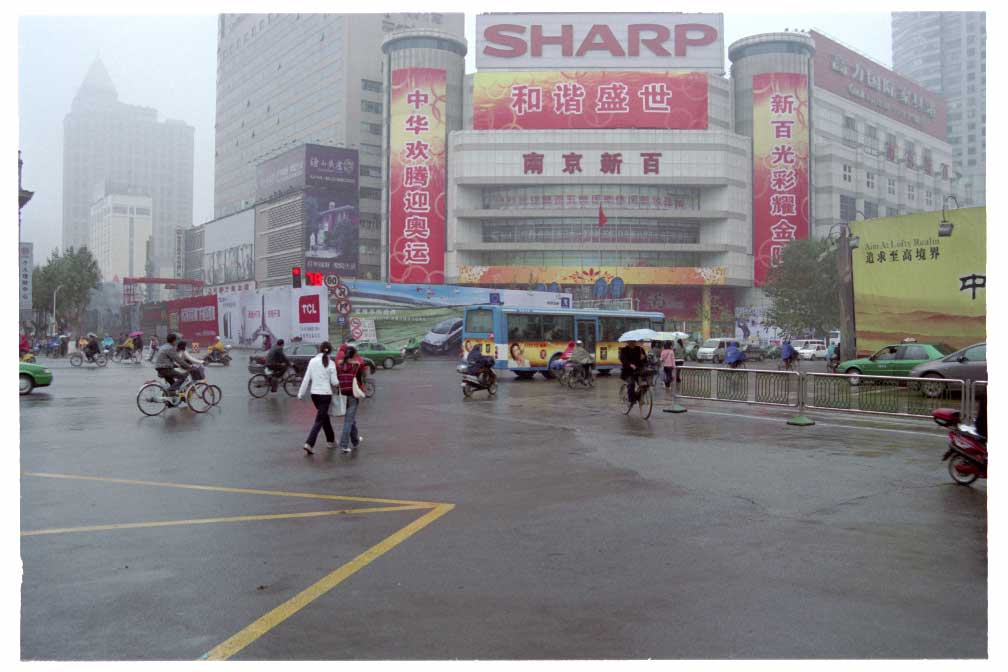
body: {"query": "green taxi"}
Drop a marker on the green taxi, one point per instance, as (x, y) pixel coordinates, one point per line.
(32, 376)
(893, 360)
(379, 353)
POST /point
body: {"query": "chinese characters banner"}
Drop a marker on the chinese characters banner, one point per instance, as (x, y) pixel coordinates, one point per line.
(589, 99)
(572, 275)
(417, 179)
(780, 167)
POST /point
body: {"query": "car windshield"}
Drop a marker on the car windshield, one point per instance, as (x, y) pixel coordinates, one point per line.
(444, 327)
(943, 348)
(710, 343)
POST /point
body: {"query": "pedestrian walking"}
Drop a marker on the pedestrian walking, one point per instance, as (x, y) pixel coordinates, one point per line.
(319, 380)
(668, 358)
(350, 372)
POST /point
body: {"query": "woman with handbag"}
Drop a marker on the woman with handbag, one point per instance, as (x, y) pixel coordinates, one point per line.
(319, 380)
(350, 372)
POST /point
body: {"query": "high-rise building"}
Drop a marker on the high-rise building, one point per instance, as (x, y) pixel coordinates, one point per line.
(121, 224)
(285, 80)
(947, 53)
(105, 140)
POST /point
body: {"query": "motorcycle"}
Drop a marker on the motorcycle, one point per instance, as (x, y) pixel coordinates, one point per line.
(218, 357)
(967, 449)
(28, 357)
(412, 349)
(483, 379)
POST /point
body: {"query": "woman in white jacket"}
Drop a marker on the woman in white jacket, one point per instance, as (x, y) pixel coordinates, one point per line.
(319, 379)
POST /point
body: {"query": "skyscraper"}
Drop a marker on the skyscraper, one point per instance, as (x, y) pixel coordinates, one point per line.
(947, 53)
(105, 140)
(285, 80)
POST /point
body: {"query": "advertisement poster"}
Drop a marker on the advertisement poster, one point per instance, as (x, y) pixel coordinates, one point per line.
(780, 167)
(573, 275)
(417, 175)
(686, 303)
(231, 264)
(909, 282)
(195, 318)
(751, 326)
(310, 314)
(331, 232)
(589, 99)
(246, 317)
(25, 261)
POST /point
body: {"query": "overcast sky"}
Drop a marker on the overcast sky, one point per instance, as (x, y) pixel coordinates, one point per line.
(169, 63)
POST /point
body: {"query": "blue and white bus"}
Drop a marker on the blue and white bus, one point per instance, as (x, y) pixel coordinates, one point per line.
(526, 340)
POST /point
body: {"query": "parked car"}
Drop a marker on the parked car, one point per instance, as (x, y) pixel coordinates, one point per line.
(894, 360)
(379, 353)
(773, 352)
(444, 337)
(966, 364)
(32, 376)
(299, 354)
(813, 351)
(754, 352)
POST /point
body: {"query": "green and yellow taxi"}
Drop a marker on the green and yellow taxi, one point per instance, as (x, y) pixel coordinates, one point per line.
(379, 353)
(893, 360)
(32, 376)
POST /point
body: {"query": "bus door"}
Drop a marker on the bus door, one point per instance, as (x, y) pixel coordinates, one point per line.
(586, 329)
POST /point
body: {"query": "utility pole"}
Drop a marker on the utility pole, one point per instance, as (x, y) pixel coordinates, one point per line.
(848, 349)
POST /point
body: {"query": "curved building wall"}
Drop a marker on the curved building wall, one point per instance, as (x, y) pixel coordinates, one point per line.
(760, 54)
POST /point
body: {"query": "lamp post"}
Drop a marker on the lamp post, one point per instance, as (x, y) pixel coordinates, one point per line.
(945, 226)
(58, 287)
(846, 244)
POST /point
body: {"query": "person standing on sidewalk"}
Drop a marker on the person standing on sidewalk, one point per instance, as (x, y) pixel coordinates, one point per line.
(668, 357)
(319, 380)
(349, 367)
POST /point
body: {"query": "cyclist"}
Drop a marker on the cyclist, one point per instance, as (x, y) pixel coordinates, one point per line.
(734, 355)
(833, 357)
(581, 357)
(91, 347)
(788, 354)
(154, 345)
(277, 362)
(634, 361)
(164, 363)
(196, 365)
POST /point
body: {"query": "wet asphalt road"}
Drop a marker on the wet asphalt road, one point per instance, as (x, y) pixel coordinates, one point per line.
(576, 532)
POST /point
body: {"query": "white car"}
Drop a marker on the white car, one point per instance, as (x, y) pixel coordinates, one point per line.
(813, 351)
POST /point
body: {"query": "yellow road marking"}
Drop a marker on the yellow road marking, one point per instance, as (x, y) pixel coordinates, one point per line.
(230, 519)
(247, 491)
(279, 614)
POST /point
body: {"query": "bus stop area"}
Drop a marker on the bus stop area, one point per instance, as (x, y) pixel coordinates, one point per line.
(539, 523)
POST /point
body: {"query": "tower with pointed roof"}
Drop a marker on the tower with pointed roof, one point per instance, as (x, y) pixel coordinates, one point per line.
(110, 147)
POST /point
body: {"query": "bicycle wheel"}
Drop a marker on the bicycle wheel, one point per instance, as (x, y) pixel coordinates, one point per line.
(589, 379)
(212, 394)
(195, 398)
(259, 386)
(151, 399)
(624, 396)
(292, 384)
(76, 359)
(100, 360)
(646, 402)
(369, 389)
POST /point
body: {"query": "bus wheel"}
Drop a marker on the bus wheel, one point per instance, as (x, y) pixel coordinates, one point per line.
(604, 372)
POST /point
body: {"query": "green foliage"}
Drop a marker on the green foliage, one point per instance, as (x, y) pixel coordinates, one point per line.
(803, 290)
(76, 274)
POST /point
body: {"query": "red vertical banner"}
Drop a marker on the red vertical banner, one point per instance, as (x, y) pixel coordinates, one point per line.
(417, 142)
(780, 167)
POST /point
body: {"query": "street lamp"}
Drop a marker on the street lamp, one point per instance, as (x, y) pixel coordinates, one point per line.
(58, 287)
(845, 274)
(945, 226)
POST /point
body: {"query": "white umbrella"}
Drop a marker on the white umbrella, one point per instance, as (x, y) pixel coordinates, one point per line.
(639, 335)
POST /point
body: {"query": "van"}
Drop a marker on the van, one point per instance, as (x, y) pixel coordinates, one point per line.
(713, 350)
(805, 343)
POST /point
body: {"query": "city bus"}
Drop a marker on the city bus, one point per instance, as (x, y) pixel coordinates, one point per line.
(526, 340)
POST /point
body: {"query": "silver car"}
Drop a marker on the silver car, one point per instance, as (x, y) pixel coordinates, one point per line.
(966, 364)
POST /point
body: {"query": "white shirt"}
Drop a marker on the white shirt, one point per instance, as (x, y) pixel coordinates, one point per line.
(319, 379)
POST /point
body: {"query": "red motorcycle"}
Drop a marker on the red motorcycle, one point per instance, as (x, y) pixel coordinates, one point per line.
(967, 450)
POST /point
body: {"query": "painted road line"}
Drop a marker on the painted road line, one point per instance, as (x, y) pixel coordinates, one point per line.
(281, 613)
(229, 519)
(246, 491)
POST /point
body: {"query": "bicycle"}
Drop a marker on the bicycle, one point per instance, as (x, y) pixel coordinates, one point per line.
(788, 365)
(127, 355)
(645, 400)
(260, 384)
(575, 374)
(154, 397)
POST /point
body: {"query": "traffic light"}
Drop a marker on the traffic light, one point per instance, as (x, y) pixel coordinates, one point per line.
(296, 276)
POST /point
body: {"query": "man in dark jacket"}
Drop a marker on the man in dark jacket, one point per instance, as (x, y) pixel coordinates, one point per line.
(277, 361)
(633, 360)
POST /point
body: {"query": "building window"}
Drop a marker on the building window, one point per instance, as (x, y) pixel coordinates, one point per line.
(848, 208)
(371, 85)
(848, 173)
(371, 129)
(370, 149)
(892, 186)
(927, 198)
(370, 194)
(370, 171)
(369, 106)
(870, 180)
(891, 212)
(870, 210)
(911, 193)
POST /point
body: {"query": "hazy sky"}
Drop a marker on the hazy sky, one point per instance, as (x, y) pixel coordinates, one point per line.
(169, 63)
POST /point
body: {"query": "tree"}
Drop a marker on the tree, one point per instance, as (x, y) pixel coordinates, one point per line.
(76, 274)
(803, 289)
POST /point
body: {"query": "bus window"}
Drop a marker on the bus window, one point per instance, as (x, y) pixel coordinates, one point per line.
(611, 328)
(524, 328)
(479, 321)
(558, 328)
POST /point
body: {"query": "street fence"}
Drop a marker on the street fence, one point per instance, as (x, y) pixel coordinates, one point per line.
(774, 388)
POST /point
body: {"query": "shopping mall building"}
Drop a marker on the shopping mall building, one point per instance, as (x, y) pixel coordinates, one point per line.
(612, 156)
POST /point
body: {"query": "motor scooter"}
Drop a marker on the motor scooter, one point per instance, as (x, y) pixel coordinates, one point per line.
(218, 357)
(483, 379)
(967, 449)
(412, 349)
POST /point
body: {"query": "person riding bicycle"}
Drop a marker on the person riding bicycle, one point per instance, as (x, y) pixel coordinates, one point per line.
(164, 363)
(277, 362)
(108, 344)
(734, 355)
(788, 354)
(581, 357)
(196, 365)
(91, 347)
(634, 362)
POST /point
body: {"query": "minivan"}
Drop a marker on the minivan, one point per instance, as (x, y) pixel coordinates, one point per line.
(713, 349)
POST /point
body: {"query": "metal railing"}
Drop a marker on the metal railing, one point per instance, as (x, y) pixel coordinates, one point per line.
(883, 395)
(972, 400)
(750, 386)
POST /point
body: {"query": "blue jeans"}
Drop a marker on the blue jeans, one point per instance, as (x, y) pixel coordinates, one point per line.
(350, 423)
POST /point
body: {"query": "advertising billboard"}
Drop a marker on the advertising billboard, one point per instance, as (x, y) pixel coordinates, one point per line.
(417, 175)
(246, 317)
(331, 231)
(910, 282)
(574, 275)
(25, 262)
(589, 99)
(304, 166)
(231, 264)
(598, 41)
(280, 174)
(780, 167)
(194, 317)
(855, 78)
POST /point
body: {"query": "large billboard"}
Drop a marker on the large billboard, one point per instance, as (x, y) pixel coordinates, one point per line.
(910, 282)
(780, 167)
(598, 41)
(194, 317)
(246, 317)
(598, 276)
(417, 175)
(589, 99)
(25, 261)
(307, 166)
(860, 80)
(331, 231)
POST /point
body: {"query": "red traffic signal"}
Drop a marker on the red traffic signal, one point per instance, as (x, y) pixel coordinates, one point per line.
(296, 276)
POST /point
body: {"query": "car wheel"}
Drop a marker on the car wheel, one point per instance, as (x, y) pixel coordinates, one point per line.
(855, 376)
(388, 363)
(26, 384)
(931, 387)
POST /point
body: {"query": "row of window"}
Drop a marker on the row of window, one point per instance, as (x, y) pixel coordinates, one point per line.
(587, 259)
(556, 328)
(586, 229)
(559, 196)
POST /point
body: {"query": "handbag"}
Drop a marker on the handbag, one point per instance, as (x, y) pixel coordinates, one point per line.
(357, 391)
(337, 407)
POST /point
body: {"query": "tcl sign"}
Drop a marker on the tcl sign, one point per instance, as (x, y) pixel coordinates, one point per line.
(529, 41)
(308, 309)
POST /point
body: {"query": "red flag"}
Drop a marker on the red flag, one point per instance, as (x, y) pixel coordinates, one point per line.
(601, 217)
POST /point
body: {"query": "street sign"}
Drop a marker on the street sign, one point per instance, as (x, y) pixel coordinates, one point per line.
(332, 281)
(355, 323)
(343, 307)
(341, 291)
(341, 320)
(356, 333)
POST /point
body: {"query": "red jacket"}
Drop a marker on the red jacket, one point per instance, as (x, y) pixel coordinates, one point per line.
(347, 370)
